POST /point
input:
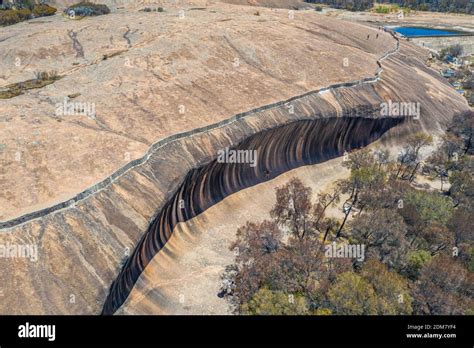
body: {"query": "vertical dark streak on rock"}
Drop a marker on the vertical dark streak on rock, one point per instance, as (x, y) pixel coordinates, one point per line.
(76, 45)
(125, 36)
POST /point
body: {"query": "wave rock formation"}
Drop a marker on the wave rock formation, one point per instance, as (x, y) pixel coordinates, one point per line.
(82, 245)
(277, 150)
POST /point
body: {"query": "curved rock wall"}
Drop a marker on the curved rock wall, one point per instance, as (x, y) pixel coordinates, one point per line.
(277, 150)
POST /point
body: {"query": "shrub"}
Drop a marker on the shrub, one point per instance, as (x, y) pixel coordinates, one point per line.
(455, 50)
(7, 6)
(9, 17)
(470, 265)
(352, 295)
(149, 9)
(267, 302)
(424, 7)
(24, 14)
(468, 83)
(23, 4)
(382, 9)
(85, 8)
(43, 10)
(322, 311)
(45, 75)
(416, 260)
(430, 207)
(42, 78)
(22, 11)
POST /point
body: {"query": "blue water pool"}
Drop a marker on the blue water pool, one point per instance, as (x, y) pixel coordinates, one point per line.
(421, 32)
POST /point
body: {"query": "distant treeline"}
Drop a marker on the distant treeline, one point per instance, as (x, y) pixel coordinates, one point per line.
(351, 5)
(463, 6)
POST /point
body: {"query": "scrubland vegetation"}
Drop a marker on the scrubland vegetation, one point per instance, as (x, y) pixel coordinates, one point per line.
(22, 10)
(85, 9)
(42, 78)
(413, 216)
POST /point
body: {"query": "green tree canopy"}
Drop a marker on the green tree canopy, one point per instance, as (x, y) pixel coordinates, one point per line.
(267, 302)
(352, 295)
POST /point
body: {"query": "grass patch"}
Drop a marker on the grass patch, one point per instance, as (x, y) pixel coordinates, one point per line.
(74, 95)
(113, 54)
(86, 9)
(43, 11)
(41, 79)
(11, 15)
(390, 8)
(149, 9)
(383, 9)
